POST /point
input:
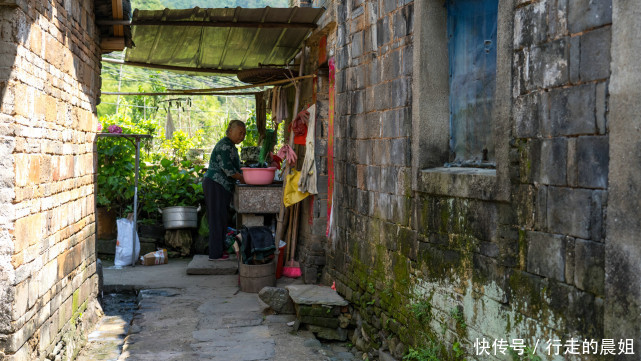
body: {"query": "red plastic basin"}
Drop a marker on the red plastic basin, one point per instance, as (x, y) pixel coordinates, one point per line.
(259, 176)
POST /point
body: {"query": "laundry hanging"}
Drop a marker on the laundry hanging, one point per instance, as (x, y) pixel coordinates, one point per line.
(280, 111)
(308, 178)
(169, 126)
(292, 195)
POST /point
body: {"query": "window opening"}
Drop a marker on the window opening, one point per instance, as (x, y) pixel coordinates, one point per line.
(471, 32)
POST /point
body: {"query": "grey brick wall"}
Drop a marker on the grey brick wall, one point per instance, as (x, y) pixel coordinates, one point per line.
(538, 257)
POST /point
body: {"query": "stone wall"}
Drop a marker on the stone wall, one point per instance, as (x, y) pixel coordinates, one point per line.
(432, 259)
(49, 83)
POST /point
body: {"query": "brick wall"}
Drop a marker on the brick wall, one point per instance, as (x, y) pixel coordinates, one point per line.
(49, 82)
(439, 267)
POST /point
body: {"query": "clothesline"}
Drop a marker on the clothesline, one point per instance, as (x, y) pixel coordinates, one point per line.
(276, 82)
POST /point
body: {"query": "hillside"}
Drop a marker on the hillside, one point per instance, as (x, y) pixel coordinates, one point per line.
(187, 4)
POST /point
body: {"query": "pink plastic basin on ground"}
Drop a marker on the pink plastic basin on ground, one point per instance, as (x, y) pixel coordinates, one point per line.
(259, 176)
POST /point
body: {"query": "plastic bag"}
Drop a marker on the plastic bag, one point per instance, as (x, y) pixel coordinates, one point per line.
(124, 244)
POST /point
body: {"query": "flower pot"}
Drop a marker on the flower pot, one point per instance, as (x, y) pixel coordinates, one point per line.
(259, 176)
(180, 217)
(106, 223)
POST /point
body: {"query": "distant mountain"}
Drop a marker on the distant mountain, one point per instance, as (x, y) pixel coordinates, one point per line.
(188, 4)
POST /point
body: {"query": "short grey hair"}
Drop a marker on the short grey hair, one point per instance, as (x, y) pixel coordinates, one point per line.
(234, 124)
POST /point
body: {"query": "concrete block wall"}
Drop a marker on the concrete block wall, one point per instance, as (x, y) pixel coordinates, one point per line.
(444, 267)
(49, 83)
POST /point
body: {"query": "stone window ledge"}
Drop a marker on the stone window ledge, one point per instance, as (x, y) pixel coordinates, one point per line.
(477, 183)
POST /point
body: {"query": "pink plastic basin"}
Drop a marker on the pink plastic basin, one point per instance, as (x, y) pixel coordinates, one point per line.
(259, 176)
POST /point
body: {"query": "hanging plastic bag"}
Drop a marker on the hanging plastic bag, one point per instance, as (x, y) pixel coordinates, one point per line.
(124, 244)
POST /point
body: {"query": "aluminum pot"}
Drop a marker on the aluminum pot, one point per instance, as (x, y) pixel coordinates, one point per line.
(180, 217)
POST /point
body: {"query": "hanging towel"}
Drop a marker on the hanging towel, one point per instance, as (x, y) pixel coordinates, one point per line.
(308, 176)
(169, 126)
(292, 195)
(280, 111)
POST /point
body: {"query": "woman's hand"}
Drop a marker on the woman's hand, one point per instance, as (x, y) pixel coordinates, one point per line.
(239, 177)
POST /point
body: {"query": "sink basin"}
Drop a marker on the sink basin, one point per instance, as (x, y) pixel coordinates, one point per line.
(258, 199)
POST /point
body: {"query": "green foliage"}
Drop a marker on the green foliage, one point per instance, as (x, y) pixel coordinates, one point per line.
(177, 147)
(426, 353)
(165, 177)
(457, 315)
(423, 310)
(459, 352)
(251, 135)
(167, 185)
(528, 355)
(116, 163)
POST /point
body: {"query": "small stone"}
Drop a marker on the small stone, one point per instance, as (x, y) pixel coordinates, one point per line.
(344, 320)
(327, 333)
(384, 356)
(312, 343)
(278, 299)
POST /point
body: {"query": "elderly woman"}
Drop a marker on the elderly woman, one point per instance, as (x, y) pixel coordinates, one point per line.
(218, 186)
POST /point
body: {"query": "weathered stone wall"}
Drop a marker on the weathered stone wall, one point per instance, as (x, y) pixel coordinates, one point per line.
(457, 263)
(49, 82)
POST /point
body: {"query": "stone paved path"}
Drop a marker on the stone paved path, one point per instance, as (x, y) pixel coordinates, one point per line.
(205, 317)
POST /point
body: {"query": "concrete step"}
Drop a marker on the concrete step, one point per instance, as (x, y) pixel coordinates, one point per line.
(201, 265)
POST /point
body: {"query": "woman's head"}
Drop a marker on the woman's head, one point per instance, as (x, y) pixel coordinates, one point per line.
(236, 131)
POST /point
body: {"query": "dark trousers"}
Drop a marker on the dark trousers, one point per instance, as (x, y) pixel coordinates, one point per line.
(217, 201)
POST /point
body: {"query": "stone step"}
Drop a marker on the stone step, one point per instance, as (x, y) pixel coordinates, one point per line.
(315, 295)
(201, 265)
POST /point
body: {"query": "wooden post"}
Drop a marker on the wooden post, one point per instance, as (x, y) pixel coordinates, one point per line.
(281, 214)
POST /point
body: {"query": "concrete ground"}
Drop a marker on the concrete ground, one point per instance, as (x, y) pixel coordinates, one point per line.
(199, 317)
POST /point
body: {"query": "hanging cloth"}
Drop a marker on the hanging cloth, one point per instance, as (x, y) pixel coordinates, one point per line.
(308, 178)
(169, 126)
(292, 195)
(275, 92)
(261, 116)
(279, 106)
(299, 127)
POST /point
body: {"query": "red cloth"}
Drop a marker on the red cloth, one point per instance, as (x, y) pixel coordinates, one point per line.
(276, 160)
(299, 126)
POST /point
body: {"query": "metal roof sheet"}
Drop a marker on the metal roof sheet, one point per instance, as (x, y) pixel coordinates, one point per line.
(221, 40)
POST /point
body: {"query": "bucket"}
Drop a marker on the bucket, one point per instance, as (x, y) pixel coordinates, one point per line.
(254, 277)
(180, 217)
(281, 261)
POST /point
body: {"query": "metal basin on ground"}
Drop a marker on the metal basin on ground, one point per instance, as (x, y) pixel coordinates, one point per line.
(180, 217)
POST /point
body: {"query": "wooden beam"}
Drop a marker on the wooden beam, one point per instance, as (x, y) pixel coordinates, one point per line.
(215, 24)
(116, 13)
(171, 67)
(112, 44)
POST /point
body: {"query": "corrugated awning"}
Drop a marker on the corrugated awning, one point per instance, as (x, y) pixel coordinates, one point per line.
(222, 41)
